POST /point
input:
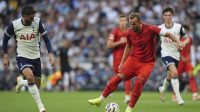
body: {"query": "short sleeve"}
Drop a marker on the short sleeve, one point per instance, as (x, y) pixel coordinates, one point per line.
(42, 29)
(112, 34)
(9, 30)
(155, 29)
(182, 32)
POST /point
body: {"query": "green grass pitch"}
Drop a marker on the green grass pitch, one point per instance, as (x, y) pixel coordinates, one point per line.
(77, 102)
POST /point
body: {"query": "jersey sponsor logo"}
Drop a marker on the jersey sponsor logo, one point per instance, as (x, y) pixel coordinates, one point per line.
(27, 37)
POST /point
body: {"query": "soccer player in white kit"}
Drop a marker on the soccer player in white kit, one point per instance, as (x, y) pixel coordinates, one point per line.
(27, 31)
(170, 53)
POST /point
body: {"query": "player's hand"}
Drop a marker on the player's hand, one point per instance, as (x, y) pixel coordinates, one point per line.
(184, 44)
(6, 61)
(51, 59)
(123, 40)
(180, 46)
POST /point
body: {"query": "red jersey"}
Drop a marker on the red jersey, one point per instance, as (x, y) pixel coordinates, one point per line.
(119, 50)
(143, 42)
(185, 52)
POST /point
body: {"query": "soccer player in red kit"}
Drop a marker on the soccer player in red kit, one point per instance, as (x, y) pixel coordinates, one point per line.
(117, 41)
(138, 59)
(185, 65)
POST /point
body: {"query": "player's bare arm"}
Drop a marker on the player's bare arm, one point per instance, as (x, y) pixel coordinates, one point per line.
(127, 50)
(175, 39)
(112, 44)
(51, 59)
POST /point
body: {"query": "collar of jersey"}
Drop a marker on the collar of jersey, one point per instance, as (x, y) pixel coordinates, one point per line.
(23, 23)
(169, 27)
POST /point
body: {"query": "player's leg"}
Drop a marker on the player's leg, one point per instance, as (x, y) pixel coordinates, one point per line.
(166, 60)
(180, 69)
(143, 75)
(192, 82)
(124, 73)
(127, 90)
(127, 83)
(175, 83)
(164, 87)
(110, 87)
(38, 82)
(27, 72)
(20, 83)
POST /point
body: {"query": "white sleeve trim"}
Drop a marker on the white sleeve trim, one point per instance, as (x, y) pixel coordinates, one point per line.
(162, 32)
(8, 34)
(44, 33)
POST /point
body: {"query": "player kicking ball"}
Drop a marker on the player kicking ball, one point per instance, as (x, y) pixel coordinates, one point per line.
(117, 41)
(27, 32)
(138, 59)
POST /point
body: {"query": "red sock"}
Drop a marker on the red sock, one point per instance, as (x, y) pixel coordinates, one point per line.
(111, 86)
(127, 86)
(193, 84)
(137, 90)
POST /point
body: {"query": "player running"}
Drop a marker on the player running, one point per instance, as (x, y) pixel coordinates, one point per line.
(171, 54)
(27, 31)
(185, 65)
(117, 40)
(138, 59)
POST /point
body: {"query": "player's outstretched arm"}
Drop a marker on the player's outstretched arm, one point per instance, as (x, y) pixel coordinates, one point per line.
(125, 55)
(175, 39)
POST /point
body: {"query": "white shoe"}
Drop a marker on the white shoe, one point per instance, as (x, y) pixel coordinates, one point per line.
(42, 109)
(162, 95)
(18, 86)
(180, 101)
(127, 99)
(195, 97)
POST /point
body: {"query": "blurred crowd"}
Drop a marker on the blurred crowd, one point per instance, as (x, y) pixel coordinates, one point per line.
(78, 30)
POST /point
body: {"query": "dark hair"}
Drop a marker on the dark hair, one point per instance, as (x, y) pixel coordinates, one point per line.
(168, 9)
(135, 15)
(186, 27)
(122, 16)
(28, 10)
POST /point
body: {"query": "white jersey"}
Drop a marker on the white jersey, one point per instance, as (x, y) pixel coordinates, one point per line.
(169, 47)
(27, 37)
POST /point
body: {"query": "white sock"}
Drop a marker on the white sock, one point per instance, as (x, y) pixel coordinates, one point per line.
(165, 84)
(127, 97)
(129, 108)
(195, 94)
(24, 82)
(175, 85)
(36, 95)
(102, 98)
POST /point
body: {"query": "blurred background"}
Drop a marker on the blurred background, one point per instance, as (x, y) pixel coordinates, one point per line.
(78, 30)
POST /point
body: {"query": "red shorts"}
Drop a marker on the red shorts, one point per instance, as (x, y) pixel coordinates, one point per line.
(115, 69)
(184, 67)
(116, 63)
(132, 68)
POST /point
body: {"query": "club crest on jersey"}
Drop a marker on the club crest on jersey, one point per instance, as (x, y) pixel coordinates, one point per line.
(27, 37)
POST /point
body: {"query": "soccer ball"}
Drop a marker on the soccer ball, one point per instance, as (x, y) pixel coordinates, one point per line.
(112, 107)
